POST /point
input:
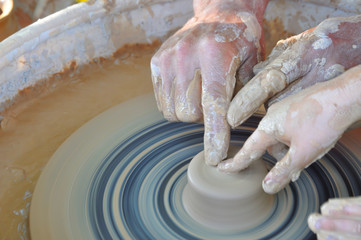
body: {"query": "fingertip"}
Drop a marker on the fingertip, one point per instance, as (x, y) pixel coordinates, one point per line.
(216, 140)
(246, 102)
(232, 165)
(236, 111)
(271, 185)
(282, 173)
(231, 117)
(314, 222)
(226, 166)
(213, 158)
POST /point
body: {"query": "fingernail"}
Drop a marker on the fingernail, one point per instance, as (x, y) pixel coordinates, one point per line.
(295, 176)
(270, 186)
(268, 179)
(314, 222)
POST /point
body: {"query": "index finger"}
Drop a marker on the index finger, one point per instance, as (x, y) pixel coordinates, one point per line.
(254, 94)
(274, 78)
(252, 150)
(218, 81)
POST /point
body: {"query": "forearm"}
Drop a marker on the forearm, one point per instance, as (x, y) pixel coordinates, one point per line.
(256, 7)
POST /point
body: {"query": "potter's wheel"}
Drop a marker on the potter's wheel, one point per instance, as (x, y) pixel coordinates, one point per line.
(121, 176)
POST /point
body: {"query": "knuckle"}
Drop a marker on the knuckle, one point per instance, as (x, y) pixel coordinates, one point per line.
(274, 81)
(208, 42)
(181, 48)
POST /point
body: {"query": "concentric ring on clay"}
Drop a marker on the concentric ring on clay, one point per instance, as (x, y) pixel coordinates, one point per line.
(122, 174)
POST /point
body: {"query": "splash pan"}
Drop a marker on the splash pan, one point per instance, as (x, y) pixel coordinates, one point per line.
(121, 176)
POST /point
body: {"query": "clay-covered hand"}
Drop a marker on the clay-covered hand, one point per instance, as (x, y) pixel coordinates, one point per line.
(301, 128)
(194, 71)
(340, 219)
(298, 62)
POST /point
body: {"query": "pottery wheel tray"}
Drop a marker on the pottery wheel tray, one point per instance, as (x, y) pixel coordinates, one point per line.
(121, 176)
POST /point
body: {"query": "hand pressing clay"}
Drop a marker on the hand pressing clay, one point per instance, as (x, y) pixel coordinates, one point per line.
(226, 201)
(302, 128)
(194, 71)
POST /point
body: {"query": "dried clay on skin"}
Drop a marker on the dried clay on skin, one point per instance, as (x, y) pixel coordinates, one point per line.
(226, 33)
(253, 31)
(330, 26)
(217, 134)
(189, 109)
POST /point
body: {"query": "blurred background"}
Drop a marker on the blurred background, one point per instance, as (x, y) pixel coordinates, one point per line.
(25, 12)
